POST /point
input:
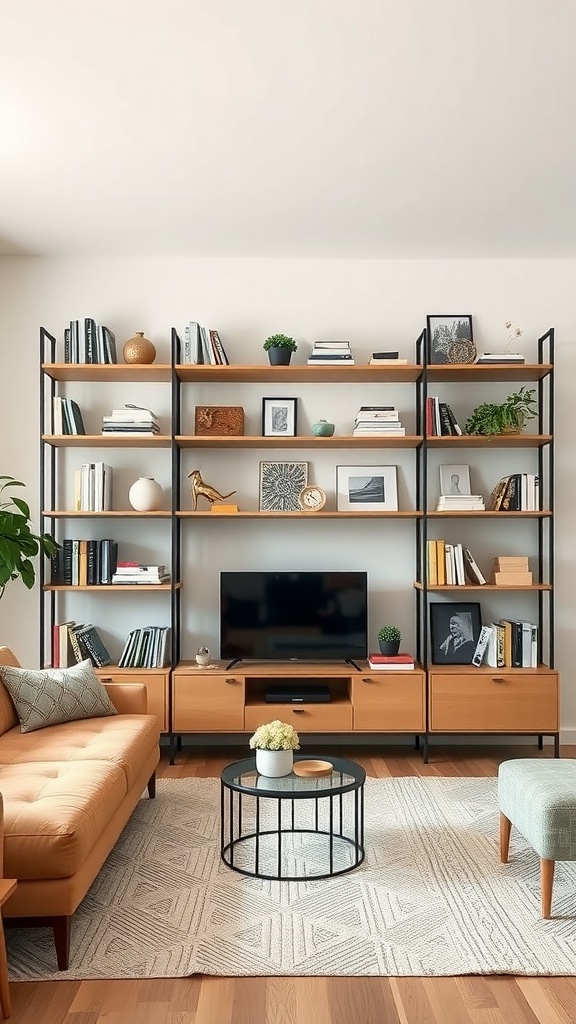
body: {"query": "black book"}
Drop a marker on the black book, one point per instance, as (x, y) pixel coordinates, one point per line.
(91, 640)
(445, 424)
(67, 562)
(456, 429)
(91, 341)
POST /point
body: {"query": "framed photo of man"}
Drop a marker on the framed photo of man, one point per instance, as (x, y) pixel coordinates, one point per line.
(455, 628)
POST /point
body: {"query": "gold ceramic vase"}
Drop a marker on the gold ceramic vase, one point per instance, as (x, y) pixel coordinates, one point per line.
(139, 349)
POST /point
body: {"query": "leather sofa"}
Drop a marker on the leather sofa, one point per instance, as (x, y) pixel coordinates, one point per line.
(68, 791)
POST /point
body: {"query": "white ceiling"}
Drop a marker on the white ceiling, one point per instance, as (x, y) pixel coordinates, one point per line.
(329, 128)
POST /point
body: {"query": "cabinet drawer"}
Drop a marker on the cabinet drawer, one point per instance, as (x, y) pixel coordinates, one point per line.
(304, 717)
(497, 701)
(156, 689)
(389, 702)
(208, 703)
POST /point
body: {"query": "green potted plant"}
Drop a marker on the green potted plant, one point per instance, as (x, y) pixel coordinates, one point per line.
(507, 418)
(389, 638)
(18, 545)
(274, 744)
(279, 348)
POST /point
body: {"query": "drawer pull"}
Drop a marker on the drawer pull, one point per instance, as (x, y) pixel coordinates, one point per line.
(105, 679)
(366, 680)
(297, 711)
(498, 679)
(231, 680)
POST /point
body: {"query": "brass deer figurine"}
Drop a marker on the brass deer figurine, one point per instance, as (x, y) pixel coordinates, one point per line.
(202, 490)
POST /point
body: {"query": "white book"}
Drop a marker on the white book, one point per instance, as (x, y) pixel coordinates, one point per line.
(57, 415)
(482, 645)
(448, 557)
(491, 655)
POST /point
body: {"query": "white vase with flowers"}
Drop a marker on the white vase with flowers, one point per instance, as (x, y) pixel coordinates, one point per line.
(274, 743)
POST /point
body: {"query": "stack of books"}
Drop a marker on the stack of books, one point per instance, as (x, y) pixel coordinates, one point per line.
(331, 353)
(378, 421)
(512, 644)
(512, 571)
(460, 503)
(131, 421)
(486, 358)
(401, 662)
(133, 572)
(440, 420)
(386, 359)
(93, 487)
(74, 642)
(145, 648)
(202, 346)
(451, 565)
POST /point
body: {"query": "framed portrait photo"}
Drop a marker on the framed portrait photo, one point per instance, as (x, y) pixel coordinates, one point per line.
(455, 628)
(281, 484)
(279, 417)
(455, 480)
(450, 338)
(366, 489)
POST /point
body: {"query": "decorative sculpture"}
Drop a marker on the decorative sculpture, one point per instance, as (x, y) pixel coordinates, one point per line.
(202, 490)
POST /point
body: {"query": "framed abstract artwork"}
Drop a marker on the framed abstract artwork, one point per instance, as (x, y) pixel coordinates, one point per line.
(281, 484)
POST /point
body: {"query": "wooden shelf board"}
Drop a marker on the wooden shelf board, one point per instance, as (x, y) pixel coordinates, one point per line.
(127, 514)
(109, 372)
(105, 670)
(492, 372)
(109, 588)
(499, 441)
(483, 586)
(299, 515)
(486, 670)
(105, 441)
(490, 514)
(187, 441)
(293, 374)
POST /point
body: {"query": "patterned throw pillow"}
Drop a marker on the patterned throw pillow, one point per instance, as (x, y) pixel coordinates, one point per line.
(50, 696)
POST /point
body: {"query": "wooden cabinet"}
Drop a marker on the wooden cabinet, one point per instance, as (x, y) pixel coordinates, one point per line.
(389, 701)
(493, 700)
(156, 681)
(207, 701)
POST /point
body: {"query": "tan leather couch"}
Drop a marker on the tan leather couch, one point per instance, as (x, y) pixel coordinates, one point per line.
(68, 791)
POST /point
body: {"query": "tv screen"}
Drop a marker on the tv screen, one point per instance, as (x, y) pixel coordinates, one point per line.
(289, 616)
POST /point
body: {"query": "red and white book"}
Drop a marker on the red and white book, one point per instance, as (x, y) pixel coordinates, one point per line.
(393, 662)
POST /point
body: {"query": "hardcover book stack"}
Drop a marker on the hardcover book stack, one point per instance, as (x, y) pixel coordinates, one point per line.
(378, 421)
(93, 487)
(460, 503)
(145, 648)
(133, 572)
(440, 420)
(512, 571)
(511, 358)
(519, 492)
(202, 346)
(131, 421)
(401, 662)
(451, 565)
(331, 353)
(85, 341)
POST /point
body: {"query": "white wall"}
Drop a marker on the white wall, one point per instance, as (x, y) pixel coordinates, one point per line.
(375, 304)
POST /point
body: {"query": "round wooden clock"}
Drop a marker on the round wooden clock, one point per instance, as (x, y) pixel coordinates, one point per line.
(312, 498)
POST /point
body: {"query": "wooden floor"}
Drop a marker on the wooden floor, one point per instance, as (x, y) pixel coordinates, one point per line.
(465, 1000)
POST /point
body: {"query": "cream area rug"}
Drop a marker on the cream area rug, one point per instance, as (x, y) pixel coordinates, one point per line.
(431, 897)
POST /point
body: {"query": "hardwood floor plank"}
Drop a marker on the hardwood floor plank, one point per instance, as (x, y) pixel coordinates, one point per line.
(216, 1001)
(511, 1000)
(358, 1001)
(312, 1002)
(280, 1000)
(446, 1000)
(412, 1002)
(544, 1002)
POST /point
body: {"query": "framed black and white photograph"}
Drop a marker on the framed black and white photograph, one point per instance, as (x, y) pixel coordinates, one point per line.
(455, 628)
(455, 480)
(280, 486)
(279, 417)
(450, 338)
(366, 489)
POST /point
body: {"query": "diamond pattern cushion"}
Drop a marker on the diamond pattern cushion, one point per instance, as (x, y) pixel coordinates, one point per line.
(50, 696)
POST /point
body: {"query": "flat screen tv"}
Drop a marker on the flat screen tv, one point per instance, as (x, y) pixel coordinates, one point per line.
(293, 616)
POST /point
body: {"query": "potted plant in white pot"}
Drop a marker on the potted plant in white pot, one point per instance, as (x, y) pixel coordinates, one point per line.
(274, 744)
(279, 348)
(389, 638)
(18, 545)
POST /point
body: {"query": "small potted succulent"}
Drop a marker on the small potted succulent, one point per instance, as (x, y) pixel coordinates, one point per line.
(389, 638)
(274, 744)
(279, 348)
(507, 418)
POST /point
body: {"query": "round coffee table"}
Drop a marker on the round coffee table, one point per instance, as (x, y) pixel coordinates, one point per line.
(293, 828)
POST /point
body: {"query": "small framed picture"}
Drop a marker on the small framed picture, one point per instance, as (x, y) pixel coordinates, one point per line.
(279, 417)
(281, 484)
(450, 338)
(455, 628)
(455, 480)
(366, 489)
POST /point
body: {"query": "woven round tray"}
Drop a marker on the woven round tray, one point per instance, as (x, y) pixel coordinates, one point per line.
(313, 769)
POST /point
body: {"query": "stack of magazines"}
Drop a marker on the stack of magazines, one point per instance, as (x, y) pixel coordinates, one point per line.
(131, 421)
(133, 572)
(331, 353)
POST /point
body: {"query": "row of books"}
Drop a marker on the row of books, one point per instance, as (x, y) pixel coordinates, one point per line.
(66, 416)
(440, 420)
(378, 421)
(331, 353)
(451, 565)
(202, 346)
(134, 572)
(508, 643)
(81, 563)
(85, 341)
(145, 648)
(72, 642)
(131, 421)
(93, 487)
(519, 492)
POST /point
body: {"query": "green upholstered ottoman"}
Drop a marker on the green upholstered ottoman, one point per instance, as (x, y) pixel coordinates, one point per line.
(539, 799)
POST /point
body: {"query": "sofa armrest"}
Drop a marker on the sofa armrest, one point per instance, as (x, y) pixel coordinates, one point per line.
(128, 698)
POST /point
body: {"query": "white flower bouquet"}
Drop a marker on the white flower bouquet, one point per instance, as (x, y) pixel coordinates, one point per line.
(275, 736)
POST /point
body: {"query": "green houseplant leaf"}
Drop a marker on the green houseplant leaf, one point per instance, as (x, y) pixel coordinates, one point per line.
(18, 544)
(280, 341)
(491, 418)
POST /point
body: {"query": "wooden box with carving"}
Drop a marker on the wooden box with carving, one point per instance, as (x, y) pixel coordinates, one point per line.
(219, 420)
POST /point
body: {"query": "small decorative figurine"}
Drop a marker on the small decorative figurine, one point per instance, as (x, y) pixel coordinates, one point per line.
(202, 490)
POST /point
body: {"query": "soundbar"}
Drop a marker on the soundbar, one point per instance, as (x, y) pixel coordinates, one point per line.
(298, 695)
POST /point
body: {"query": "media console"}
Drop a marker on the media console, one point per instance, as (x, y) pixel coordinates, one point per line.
(222, 701)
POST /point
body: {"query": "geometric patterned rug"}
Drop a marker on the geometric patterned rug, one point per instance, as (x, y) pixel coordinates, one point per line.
(431, 898)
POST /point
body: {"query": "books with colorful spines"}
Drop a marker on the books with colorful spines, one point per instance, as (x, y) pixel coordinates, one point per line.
(391, 662)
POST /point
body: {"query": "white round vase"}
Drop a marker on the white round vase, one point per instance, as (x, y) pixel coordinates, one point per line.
(274, 763)
(146, 495)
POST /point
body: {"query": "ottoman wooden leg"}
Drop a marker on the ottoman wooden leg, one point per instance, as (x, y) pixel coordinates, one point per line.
(505, 826)
(546, 882)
